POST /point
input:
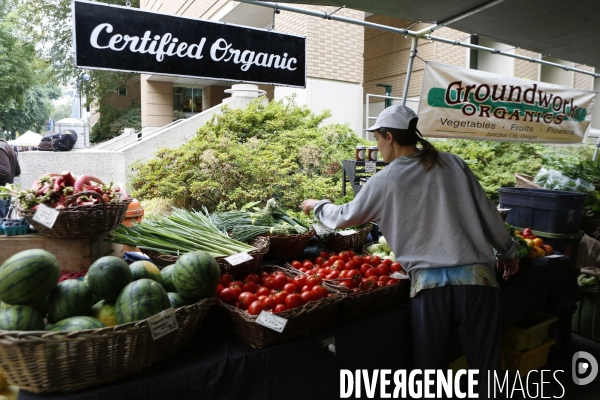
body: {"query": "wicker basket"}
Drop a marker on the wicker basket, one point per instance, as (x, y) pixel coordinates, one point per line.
(262, 247)
(288, 246)
(526, 181)
(310, 317)
(354, 241)
(356, 304)
(79, 222)
(66, 361)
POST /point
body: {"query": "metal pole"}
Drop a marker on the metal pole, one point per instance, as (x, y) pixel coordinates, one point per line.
(411, 59)
(596, 151)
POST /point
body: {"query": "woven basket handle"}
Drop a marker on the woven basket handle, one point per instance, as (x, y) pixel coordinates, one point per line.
(71, 199)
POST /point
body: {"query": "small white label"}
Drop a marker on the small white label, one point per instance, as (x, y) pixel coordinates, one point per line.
(554, 256)
(238, 258)
(162, 323)
(321, 229)
(271, 321)
(346, 233)
(46, 215)
(398, 275)
(370, 166)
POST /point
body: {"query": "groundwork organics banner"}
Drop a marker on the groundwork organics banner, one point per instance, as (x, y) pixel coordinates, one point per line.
(470, 104)
(129, 39)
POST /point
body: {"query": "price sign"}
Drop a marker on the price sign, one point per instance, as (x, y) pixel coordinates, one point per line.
(398, 275)
(45, 215)
(346, 233)
(238, 258)
(162, 323)
(321, 229)
(370, 166)
(271, 321)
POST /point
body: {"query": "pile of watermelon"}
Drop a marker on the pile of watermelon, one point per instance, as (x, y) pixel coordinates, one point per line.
(35, 296)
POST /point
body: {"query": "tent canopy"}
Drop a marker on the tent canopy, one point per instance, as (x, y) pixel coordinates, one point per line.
(567, 30)
(27, 139)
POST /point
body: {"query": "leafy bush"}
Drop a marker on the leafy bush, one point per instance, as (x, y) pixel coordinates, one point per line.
(276, 150)
(112, 121)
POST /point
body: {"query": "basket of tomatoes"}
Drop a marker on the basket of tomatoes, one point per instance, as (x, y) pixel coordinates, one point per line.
(368, 282)
(305, 304)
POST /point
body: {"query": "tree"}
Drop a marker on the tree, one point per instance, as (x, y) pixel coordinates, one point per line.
(35, 111)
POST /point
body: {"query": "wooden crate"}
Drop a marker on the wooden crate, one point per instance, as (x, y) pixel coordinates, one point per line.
(72, 254)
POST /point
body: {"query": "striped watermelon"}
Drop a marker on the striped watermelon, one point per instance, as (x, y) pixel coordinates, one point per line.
(105, 312)
(167, 278)
(70, 298)
(21, 318)
(145, 269)
(73, 324)
(139, 300)
(196, 275)
(177, 300)
(107, 276)
(28, 276)
(40, 306)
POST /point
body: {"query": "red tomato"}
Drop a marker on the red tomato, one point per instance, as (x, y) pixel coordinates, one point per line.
(324, 254)
(307, 296)
(392, 282)
(247, 298)
(294, 300)
(236, 283)
(368, 284)
(305, 288)
(333, 274)
(237, 290)
(268, 281)
(300, 281)
(255, 308)
(279, 308)
(279, 281)
(338, 265)
(375, 261)
(345, 256)
(395, 267)
(264, 273)
(368, 259)
(262, 291)
(364, 268)
(372, 272)
(226, 279)
(304, 270)
(290, 288)
(219, 289)
(319, 292)
(334, 258)
(350, 265)
(262, 297)
(343, 274)
(249, 287)
(296, 264)
(252, 277)
(348, 284)
(384, 278)
(326, 264)
(383, 269)
(280, 297)
(355, 275)
(319, 260)
(307, 264)
(269, 303)
(358, 260)
(526, 231)
(313, 280)
(381, 283)
(228, 295)
(387, 261)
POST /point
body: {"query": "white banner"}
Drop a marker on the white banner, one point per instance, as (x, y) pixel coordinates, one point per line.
(470, 104)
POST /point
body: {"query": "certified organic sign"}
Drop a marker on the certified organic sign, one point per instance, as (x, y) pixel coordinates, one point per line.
(470, 104)
(128, 39)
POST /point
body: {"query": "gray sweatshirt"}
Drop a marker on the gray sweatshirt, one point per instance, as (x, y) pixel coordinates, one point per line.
(440, 218)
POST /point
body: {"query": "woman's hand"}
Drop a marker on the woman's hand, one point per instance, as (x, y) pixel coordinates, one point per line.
(508, 267)
(308, 205)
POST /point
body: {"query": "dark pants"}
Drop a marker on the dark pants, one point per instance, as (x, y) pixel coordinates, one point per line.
(472, 313)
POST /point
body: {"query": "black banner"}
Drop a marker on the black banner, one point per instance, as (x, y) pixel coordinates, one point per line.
(128, 39)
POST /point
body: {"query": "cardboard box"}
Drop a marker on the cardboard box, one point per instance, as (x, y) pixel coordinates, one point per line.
(72, 254)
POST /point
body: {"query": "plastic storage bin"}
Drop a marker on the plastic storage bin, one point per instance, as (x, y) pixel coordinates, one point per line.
(526, 361)
(528, 334)
(552, 211)
(586, 320)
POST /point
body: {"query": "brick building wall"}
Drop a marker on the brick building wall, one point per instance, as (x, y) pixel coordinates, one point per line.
(582, 81)
(527, 69)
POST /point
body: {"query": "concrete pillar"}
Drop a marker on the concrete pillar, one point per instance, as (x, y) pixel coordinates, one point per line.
(157, 103)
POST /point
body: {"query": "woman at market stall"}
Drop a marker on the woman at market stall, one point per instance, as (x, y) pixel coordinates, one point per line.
(439, 223)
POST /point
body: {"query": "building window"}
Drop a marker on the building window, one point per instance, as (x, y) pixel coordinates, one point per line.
(122, 91)
(187, 100)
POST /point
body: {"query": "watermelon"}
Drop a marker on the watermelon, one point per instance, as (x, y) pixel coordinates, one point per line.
(145, 269)
(139, 300)
(28, 276)
(70, 298)
(196, 275)
(105, 312)
(21, 318)
(40, 306)
(107, 276)
(73, 324)
(95, 298)
(167, 278)
(177, 300)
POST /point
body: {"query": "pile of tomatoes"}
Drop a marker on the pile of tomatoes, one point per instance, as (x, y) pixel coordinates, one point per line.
(536, 245)
(355, 272)
(272, 292)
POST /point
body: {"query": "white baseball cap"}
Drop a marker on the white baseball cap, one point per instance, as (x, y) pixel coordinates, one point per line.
(397, 117)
